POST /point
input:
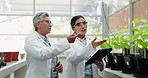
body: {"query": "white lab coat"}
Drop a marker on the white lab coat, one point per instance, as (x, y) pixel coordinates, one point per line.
(76, 58)
(39, 54)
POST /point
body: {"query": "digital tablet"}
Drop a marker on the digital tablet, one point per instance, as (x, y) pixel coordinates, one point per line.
(99, 54)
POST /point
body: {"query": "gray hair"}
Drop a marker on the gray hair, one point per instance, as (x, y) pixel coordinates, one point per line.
(39, 17)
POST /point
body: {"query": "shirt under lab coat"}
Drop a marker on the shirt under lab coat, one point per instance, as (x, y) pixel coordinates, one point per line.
(76, 58)
(39, 55)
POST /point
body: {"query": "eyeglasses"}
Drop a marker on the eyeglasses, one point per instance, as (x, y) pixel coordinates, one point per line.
(47, 21)
(81, 24)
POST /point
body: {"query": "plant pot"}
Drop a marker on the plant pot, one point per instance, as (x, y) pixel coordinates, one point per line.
(121, 61)
(130, 66)
(22, 56)
(107, 65)
(15, 56)
(132, 63)
(2, 56)
(8, 57)
(141, 67)
(111, 62)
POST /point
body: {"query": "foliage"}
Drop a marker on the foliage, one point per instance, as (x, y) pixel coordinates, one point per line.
(118, 41)
(140, 37)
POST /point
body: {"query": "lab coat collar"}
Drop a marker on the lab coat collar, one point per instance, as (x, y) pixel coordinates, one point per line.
(41, 37)
(78, 40)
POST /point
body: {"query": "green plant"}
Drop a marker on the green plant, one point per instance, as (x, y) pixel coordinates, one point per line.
(118, 41)
(107, 44)
(140, 37)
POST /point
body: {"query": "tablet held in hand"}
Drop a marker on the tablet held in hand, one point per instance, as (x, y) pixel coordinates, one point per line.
(101, 53)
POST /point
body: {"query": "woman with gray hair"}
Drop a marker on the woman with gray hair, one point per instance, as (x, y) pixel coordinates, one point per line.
(41, 50)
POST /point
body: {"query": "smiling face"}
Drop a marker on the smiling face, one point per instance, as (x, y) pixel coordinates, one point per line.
(80, 27)
(44, 26)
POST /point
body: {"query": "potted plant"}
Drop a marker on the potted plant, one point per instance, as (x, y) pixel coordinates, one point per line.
(117, 42)
(140, 39)
(123, 42)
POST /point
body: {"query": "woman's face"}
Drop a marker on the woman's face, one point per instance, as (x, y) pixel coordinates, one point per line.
(80, 26)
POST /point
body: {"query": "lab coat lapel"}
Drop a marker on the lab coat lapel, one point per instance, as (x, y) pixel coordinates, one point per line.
(87, 40)
(39, 37)
(78, 41)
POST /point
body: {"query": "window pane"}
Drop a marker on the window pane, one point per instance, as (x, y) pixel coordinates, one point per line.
(86, 7)
(94, 26)
(61, 25)
(16, 7)
(117, 5)
(16, 24)
(55, 7)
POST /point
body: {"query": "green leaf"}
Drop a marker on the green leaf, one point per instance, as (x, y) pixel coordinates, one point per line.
(135, 21)
(144, 21)
(142, 43)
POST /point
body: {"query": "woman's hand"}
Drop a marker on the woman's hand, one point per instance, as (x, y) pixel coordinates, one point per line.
(97, 43)
(99, 63)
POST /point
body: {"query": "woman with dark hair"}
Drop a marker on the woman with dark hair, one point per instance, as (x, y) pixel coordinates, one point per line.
(80, 51)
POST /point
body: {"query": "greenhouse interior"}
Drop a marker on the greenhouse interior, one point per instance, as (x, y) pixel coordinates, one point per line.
(118, 29)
